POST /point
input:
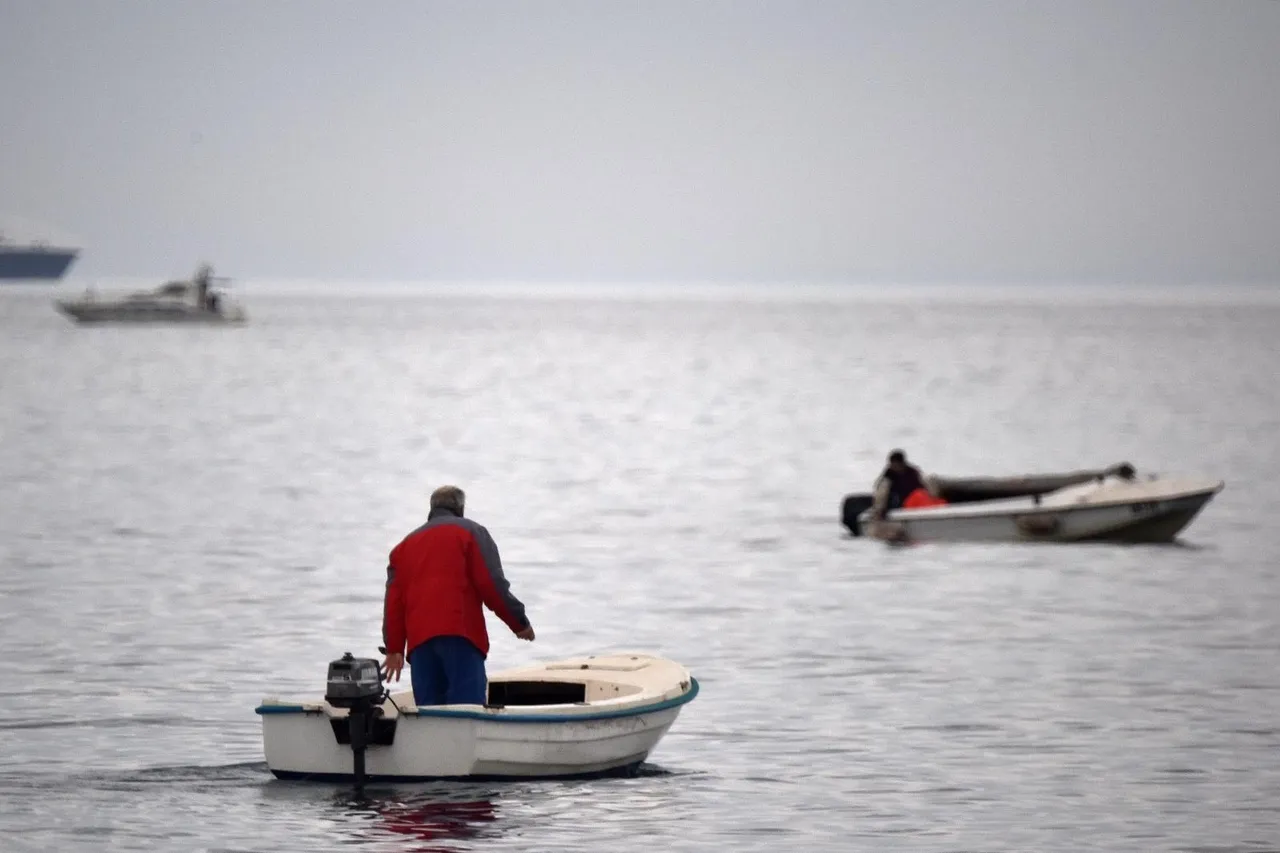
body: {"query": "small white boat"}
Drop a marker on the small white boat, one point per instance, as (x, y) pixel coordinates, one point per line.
(579, 717)
(1109, 505)
(193, 301)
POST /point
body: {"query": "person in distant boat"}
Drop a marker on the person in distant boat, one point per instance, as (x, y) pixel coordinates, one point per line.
(439, 580)
(901, 486)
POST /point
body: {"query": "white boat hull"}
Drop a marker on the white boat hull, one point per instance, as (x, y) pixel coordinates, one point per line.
(102, 312)
(613, 731)
(182, 302)
(1110, 510)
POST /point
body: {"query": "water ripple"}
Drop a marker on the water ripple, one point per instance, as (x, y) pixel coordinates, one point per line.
(208, 524)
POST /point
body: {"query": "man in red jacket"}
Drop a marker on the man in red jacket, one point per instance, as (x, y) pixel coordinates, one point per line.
(439, 580)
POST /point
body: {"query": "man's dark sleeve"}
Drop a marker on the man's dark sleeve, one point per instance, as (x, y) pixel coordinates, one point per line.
(386, 594)
(393, 627)
(492, 584)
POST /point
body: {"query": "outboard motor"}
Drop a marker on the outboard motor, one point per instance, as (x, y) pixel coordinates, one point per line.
(854, 506)
(356, 684)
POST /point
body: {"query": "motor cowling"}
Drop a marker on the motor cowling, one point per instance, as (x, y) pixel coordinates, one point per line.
(852, 507)
(354, 682)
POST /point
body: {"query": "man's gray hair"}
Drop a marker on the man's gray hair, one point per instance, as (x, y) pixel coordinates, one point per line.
(449, 497)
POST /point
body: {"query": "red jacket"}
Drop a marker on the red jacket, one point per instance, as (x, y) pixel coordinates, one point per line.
(439, 580)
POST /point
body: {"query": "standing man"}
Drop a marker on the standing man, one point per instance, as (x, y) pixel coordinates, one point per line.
(898, 480)
(439, 580)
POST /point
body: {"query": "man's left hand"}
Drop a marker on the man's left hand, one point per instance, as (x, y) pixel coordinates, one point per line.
(391, 667)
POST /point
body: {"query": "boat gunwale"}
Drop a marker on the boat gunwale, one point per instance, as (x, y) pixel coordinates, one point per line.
(497, 715)
(958, 510)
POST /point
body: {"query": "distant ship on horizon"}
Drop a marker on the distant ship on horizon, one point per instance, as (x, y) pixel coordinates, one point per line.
(34, 261)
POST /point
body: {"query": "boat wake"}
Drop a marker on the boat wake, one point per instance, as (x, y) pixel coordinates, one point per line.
(193, 776)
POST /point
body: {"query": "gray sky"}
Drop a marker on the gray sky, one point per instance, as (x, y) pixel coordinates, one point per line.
(736, 140)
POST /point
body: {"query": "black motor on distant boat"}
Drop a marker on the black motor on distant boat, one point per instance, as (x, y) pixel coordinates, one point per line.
(854, 506)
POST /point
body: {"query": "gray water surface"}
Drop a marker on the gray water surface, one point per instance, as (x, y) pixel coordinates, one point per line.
(192, 519)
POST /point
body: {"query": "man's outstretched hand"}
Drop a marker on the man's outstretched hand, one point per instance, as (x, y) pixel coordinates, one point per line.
(391, 667)
(526, 633)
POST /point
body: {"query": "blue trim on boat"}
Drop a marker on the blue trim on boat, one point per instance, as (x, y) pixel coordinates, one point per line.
(676, 702)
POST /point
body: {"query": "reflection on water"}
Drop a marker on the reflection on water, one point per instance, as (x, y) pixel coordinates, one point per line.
(433, 818)
(438, 821)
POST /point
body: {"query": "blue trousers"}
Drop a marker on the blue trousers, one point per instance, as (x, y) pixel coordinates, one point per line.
(448, 671)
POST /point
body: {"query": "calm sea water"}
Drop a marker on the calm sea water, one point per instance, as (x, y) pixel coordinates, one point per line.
(191, 519)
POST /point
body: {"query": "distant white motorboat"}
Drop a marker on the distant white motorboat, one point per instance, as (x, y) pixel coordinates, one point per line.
(1109, 505)
(193, 301)
(587, 716)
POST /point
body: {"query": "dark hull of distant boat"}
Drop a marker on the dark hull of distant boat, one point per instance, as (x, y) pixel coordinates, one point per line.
(35, 264)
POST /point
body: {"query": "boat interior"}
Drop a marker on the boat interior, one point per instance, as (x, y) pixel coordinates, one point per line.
(959, 490)
(533, 693)
(503, 693)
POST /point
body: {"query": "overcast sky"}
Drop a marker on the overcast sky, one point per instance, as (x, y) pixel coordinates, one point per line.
(1062, 140)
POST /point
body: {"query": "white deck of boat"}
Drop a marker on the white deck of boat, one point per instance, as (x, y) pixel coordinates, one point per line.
(615, 682)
